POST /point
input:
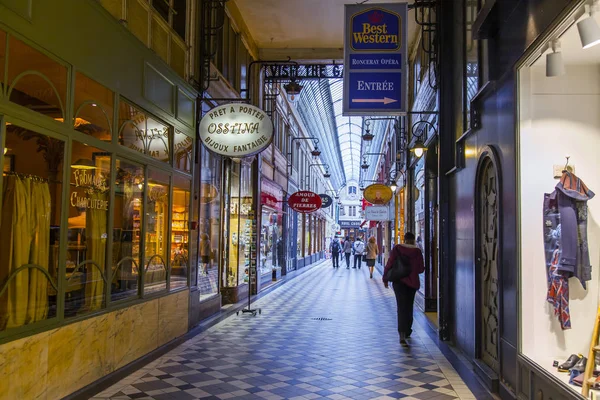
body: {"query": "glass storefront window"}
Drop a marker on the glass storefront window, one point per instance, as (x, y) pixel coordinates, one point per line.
(156, 251)
(94, 106)
(30, 226)
(183, 146)
(271, 240)
(209, 224)
(37, 81)
(87, 229)
(307, 234)
(180, 232)
(559, 235)
(299, 235)
(128, 223)
(143, 133)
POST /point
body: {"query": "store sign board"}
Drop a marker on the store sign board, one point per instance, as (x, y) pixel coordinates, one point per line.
(378, 194)
(327, 200)
(349, 224)
(305, 202)
(269, 200)
(375, 45)
(236, 130)
(377, 213)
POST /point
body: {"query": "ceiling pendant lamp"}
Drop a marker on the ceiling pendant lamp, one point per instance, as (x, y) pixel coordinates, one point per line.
(589, 31)
(555, 65)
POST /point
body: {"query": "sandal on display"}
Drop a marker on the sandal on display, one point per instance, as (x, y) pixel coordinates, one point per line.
(570, 363)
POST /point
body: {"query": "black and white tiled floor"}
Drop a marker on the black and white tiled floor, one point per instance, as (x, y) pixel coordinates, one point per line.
(325, 334)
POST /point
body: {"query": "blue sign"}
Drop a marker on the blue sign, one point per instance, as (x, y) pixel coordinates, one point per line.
(382, 90)
(375, 45)
(375, 61)
(326, 200)
(376, 29)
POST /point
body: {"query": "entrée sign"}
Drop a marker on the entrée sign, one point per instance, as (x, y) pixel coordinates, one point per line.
(305, 202)
(236, 130)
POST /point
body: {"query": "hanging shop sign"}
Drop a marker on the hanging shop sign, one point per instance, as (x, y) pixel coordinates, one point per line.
(375, 45)
(349, 224)
(269, 200)
(377, 213)
(378, 194)
(305, 201)
(327, 200)
(236, 130)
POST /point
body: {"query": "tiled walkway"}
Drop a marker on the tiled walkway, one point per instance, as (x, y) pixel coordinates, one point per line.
(326, 334)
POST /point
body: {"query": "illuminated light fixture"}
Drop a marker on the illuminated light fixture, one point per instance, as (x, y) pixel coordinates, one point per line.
(589, 31)
(418, 148)
(293, 90)
(316, 152)
(83, 163)
(393, 186)
(555, 65)
(6, 149)
(94, 105)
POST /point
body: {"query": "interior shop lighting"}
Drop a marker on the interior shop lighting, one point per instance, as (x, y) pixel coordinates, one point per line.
(83, 163)
(555, 65)
(589, 31)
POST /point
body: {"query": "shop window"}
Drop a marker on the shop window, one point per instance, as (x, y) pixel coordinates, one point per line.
(210, 224)
(36, 81)
(241, 216)
(87, 229)
(128, 223)
(173, 12)
(180, 232)
(307, 234)
(300, 235)
(30, 227)
(94, 106)
(271, 244)
(156, 251)
(144, 134)
(352, 211)
(183, 146)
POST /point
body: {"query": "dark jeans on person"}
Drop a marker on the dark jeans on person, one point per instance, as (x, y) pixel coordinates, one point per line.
(335, 258)
(405, 299)
(348, 259)
(357, 260)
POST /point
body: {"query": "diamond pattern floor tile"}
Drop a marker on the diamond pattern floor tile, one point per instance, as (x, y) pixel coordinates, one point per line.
(328, 334)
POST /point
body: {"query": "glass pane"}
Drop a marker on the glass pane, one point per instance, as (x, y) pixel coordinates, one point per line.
(299, 236)
(128, 222)
(179, 17)
(43, 86)
(307, 235)
(162, 8)
(88, 229)
(236, 246)
(271, 244)
(210, 224)
(143, 133)
(30, 226)
(94, 106)
(157, 228)
(183, 146)
(180, 232)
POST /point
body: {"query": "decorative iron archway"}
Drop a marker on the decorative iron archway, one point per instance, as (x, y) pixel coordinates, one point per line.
(487, 246)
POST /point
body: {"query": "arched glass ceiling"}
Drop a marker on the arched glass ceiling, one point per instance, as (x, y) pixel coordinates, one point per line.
(320, 108)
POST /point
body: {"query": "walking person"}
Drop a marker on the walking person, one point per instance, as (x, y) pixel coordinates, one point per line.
(359, 249)
(347, 251)
(335, 247)
(406, 288)
(372, 253)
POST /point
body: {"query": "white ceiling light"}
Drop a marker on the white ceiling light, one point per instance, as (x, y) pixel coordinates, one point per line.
(589, 31)
(555, 65)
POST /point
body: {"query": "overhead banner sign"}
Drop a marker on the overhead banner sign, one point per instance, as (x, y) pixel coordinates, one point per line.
(375, 55)
(305, 202)
(349, 224)
(378, 194)
(327, 200)
(377, 213)
(236, 130)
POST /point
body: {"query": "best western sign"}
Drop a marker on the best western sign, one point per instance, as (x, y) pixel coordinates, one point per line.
(236, 130)
(374, 52)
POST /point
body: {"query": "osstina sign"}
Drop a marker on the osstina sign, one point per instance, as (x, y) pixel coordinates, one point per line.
(236, 130)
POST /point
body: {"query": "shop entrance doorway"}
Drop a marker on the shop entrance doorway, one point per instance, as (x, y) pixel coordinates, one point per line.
(486, 268)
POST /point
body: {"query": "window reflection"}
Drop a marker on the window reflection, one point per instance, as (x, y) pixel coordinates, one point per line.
(143, 133)
(183, 146)
(180, 232)
(128, 222)
(157, 228)
(87, 229)
(30, 227)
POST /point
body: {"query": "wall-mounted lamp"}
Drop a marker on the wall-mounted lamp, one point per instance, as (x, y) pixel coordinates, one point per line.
(364, 165)
(367, 136)
(293, 90)
(555, 65)
(326, 174)
(316, 152)
(418, 148)
(589, 31)
(393, 186)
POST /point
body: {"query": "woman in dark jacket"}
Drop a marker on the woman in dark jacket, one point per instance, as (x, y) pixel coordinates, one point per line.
(406, 289)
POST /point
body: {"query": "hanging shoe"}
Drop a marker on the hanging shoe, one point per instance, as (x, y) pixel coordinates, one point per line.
(570, 363)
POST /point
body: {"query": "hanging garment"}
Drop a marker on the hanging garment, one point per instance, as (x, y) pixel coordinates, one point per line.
(558, 292)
